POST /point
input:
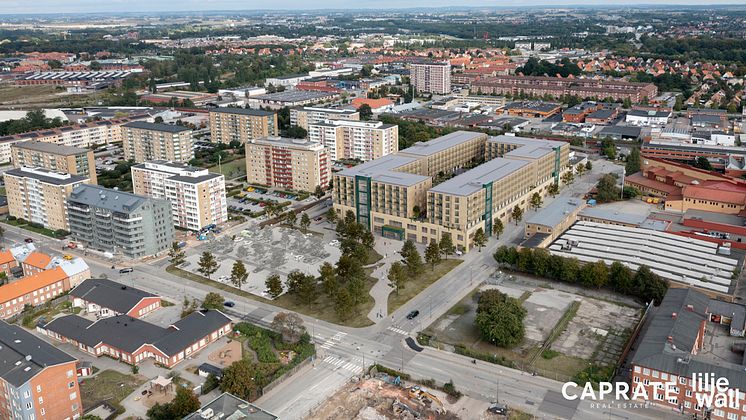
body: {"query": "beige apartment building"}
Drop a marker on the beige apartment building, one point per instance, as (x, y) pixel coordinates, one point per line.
(197, 196)
(144, 141)
(294, 164)
(303, 117)
(54, 157)
(242, 125)
(38, 195)
(500, 173)
(364, 140)
(431, 77)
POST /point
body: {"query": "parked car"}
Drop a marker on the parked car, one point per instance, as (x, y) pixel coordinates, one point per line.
(29, 240)
(413, 314)
(126, 270)
(229, 304)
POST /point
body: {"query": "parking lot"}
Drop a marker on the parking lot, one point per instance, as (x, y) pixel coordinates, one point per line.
(267, 251)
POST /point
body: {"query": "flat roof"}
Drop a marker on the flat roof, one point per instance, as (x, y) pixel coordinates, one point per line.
(554, 213)
(682, 259)
(533, 105)
(305, 144)
(242, 111)
(169, 128)
(229, 406)
(613, 215)
(428, 148)
(472, 181)
(293, 96)
(45, 147)
(384, 170)
(529, 147)
(47, 176)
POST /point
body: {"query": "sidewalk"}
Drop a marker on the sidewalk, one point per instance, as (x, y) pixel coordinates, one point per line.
(389, 249)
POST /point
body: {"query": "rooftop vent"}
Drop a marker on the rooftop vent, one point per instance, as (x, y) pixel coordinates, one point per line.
(674, 315)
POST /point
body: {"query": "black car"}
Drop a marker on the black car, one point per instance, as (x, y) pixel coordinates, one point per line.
(413, 314)
(126, 270)
(229, 304)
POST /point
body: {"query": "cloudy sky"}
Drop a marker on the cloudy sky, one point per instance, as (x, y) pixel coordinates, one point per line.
(77, 6)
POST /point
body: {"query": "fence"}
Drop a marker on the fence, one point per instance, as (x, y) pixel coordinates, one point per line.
(270, 386)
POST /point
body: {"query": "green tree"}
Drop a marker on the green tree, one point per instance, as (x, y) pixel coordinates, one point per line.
(567, 178)
(703, 163)
(290, 218)
(273, 285)
(498, 228)
(241, 379)
(588, 166)
(536, 201)
(343, 303)
(331, 215)
(620, 278)
(289, 325)
(446, 244)
(580, 169)
(633, 162)
(516, 214)
(239, 275)
(500, 318)
(480, 239)
(305, 222)
(295, 132)
(213, 301)
(207, 264)
(553, 189)
(183, 404)
(319, 192)
(397, 276)
(432, 253)
(412, 258)
(328, 279)
(366, 113)
(176, 254)
(607, 189)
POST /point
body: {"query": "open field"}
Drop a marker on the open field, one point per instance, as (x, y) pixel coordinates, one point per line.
(416, 285)
(108, 386)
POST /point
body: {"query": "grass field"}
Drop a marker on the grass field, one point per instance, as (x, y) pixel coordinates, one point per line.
(322, 309)
(414, 286)
(233, 169)
(46, 96)
(108, 386)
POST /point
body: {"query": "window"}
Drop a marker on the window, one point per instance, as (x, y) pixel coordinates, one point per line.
(27, 394)
(71, 384)
(41, 400)
(687, 404)
(69, 373)
(688, 392)
(718, 413)
(646, 371)
(73, 395)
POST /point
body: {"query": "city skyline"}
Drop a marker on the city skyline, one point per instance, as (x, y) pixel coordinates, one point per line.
(142, 6)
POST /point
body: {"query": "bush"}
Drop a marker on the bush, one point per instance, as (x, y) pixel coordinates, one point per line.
(11, 218)
(450, 389)
(391, 372)
(549, 354)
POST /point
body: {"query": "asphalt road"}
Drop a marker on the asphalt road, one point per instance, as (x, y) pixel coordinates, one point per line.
(343, 351)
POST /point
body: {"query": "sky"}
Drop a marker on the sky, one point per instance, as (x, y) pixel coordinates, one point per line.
(94, 6)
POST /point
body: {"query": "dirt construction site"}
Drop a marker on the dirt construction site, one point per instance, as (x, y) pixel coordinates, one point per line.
(378, 399)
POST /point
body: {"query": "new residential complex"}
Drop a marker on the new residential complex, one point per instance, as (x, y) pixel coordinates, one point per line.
(38, 195)
(364, 140)
(55, 157)
(295, 164)
(119, 222)
(302, 117)
(144, 141)
(431, 77)
(502, 173)
(197, 196)
(38, 380)
(242, 125)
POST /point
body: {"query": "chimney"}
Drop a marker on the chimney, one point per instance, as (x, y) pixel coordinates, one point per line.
(673, 315)
(690, 308)
(670, 339)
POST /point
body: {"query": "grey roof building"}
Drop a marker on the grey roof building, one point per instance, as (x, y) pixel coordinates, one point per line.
(23, 355)
(229, 406)
(111, 295)
(119, 222)
(168, 128)
(130, 336)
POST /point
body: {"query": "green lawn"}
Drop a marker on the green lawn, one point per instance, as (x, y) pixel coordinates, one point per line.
(40, 230)
(108, 386)
(233, 169)
(416, 285)
(323, 308)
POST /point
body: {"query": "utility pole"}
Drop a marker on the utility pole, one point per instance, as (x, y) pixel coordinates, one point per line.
(624, 172)
(402, 360)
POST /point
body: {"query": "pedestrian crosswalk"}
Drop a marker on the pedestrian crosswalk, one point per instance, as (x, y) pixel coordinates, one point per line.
(397, 330)
(354, 366)
(332, 341)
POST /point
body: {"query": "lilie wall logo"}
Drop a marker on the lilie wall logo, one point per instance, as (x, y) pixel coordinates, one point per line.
(707, 391)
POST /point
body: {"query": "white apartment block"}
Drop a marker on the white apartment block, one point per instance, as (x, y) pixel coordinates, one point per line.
(197, 196)
(431, 77)
(302, 117)
(364, 140)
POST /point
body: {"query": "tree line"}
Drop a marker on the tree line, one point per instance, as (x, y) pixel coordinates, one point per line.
(642, 284)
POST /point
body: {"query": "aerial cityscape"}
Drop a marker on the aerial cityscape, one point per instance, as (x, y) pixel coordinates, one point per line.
(433, 210)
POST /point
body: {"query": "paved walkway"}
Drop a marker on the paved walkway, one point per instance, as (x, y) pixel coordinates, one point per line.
(389, 249)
